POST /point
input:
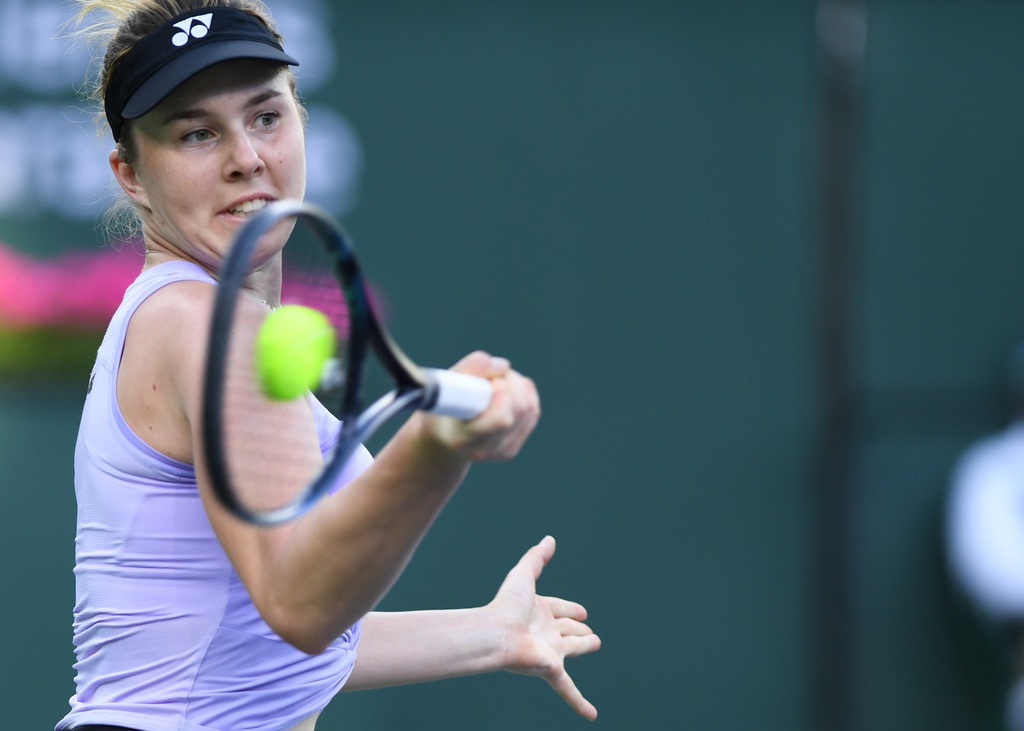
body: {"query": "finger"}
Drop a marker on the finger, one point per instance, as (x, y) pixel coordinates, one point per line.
(572, 628)
(526, 410)
(564, 608)
(523, 390)
(527, 397)
(584, 645)
(564, 686)
(510, 418)
(536, 558)
(530, 565)
(515, 398)
(485, 365)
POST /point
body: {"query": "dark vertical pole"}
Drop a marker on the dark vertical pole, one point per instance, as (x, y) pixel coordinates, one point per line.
(841, 27)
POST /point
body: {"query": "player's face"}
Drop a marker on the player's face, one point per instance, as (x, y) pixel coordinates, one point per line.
(224, 144)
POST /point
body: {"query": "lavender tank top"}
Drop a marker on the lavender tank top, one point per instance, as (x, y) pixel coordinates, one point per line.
(166, 638)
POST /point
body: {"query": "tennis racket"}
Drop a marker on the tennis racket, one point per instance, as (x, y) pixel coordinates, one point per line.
(254, 469)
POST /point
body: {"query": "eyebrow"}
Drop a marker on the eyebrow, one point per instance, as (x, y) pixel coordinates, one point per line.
(199, 112)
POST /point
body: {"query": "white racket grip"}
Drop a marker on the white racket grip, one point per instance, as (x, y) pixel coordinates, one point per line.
(459, 394)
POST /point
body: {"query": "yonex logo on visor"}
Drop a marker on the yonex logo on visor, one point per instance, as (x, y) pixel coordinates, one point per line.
(196, 27)
(179, 49)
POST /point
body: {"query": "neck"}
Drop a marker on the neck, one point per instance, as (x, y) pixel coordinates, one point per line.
(262, 283)
(154, 257)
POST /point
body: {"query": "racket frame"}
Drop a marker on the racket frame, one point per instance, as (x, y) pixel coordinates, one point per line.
(414, 387)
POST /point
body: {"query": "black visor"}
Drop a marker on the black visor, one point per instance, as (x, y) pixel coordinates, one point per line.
(177, 51)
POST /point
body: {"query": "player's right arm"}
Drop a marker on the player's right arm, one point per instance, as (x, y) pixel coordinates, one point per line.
(313, 578)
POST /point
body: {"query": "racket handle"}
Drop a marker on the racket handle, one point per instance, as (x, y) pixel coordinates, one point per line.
(459, 394)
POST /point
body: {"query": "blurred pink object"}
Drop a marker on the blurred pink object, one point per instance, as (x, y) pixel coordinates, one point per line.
(318, 290)
(80, 289)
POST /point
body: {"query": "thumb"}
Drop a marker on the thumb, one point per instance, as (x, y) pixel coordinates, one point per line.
(485, 365)
(538, 556)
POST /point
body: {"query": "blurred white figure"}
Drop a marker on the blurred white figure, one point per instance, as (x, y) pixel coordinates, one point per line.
(986, 531)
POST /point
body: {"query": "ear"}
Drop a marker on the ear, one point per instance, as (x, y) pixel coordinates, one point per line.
(128, 178)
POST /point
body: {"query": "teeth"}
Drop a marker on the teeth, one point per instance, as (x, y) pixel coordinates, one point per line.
(249, 206)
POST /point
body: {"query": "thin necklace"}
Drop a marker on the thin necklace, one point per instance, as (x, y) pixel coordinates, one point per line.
(261, 301)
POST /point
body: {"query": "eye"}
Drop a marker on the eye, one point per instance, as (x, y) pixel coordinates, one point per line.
(266, 120)
(197, 135)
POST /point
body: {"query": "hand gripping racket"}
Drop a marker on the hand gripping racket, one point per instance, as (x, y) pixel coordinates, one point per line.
(254, 468)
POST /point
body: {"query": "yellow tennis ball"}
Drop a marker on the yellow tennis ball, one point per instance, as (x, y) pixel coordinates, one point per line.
(293, 345)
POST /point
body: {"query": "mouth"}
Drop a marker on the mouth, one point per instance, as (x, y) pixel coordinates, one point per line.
(247, 208)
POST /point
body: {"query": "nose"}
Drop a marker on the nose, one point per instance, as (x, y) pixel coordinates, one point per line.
(243, 159)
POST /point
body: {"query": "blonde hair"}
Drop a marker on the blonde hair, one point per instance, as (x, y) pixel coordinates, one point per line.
(123, 24)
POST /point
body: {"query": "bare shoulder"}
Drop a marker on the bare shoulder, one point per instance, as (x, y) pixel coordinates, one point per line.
(161, 368)
(178, 302)
(172, 324)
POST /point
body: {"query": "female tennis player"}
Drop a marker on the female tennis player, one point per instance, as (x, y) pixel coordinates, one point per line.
(188, 619)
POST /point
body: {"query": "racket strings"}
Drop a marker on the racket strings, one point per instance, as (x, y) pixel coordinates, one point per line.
(309, 279)
(267, 462)
(271, 446)
(281, 461)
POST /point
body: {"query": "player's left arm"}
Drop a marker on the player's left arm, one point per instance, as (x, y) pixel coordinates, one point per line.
(519, 631)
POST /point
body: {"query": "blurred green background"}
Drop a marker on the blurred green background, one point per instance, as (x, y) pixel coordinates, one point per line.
(625, 197)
